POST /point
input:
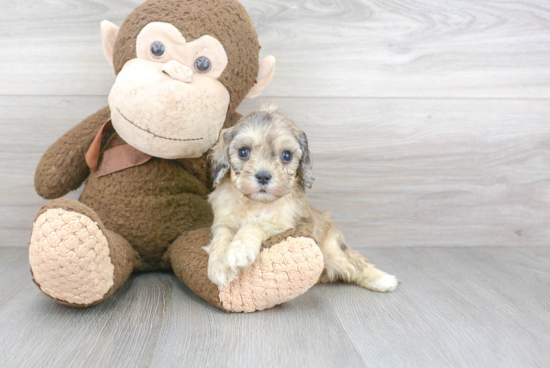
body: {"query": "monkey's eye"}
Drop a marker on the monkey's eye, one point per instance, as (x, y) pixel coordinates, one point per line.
(286, 156)
(203, 64)
(157, 49)
(244, 153)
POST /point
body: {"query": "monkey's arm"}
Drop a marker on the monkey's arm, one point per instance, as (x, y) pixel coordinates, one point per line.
(63, 167)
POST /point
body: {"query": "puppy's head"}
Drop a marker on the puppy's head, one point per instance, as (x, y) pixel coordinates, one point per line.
(265, 154)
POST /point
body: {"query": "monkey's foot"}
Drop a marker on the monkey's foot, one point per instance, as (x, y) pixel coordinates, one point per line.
(288, 265)
(70, 255)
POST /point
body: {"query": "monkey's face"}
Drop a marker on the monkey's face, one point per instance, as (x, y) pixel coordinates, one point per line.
(183, 67)
(168, 101)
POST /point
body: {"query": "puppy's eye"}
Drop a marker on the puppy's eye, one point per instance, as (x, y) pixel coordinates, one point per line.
(286, 156)
(203, 64)
(158, 50)
(244, 153)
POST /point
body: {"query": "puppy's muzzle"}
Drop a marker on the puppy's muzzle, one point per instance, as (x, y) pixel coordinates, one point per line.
(263, 177)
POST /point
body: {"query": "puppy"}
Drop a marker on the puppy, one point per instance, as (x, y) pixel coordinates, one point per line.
(261, 168)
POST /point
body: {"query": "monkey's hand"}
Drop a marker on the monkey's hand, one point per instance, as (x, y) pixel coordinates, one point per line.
(63, 167)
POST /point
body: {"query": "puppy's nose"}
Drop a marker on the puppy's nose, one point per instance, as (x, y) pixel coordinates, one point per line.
(178, 71)
(263, 177)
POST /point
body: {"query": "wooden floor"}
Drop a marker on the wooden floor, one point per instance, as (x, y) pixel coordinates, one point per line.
(455, 307)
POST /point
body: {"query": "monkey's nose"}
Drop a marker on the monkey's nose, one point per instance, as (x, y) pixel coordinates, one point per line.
(178, 71)
(263, 177)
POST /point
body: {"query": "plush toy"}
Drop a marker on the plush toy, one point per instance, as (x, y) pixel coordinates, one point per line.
(183, 67)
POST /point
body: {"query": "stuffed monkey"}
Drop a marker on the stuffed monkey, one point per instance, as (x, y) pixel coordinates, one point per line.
(183, 67)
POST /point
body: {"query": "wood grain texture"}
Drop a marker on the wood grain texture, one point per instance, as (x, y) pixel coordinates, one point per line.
(466, 308)
(455, 307)
(345, 48)
(420, 172)
(394, 172)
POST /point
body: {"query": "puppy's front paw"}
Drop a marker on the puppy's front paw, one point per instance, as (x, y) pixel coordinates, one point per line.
(218, 271)
(224, 268)
(241, 255)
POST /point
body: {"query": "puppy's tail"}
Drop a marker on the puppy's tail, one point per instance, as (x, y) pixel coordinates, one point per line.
(270, 108)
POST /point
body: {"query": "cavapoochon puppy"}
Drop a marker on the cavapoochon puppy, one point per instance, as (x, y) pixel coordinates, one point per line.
(262, 166)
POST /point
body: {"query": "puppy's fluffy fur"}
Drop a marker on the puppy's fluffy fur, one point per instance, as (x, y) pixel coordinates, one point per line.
(262, 166)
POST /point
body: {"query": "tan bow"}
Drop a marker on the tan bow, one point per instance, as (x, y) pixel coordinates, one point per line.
(114, 159)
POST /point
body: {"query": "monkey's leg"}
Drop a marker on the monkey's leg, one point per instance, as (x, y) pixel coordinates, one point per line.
(74, 259)
(289, 264)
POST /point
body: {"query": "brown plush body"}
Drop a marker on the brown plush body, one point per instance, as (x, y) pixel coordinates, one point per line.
(155, 215)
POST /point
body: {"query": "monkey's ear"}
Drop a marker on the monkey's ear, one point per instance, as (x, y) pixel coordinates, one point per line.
(109, 33)
(306, 165)
(265, 74)
(219, 156)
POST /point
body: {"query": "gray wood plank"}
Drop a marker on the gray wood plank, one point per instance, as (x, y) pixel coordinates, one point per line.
(475, 307)
(14, 272)
(418, 172)
(353, 48)
(455, 307)
(394, 172)
(303, 332)
(154, 320)
(39, 332)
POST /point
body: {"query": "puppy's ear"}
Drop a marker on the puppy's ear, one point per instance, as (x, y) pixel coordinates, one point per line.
(219, 156)
(306, 165)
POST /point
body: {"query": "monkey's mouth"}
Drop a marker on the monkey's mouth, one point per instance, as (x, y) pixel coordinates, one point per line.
(156, 135)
